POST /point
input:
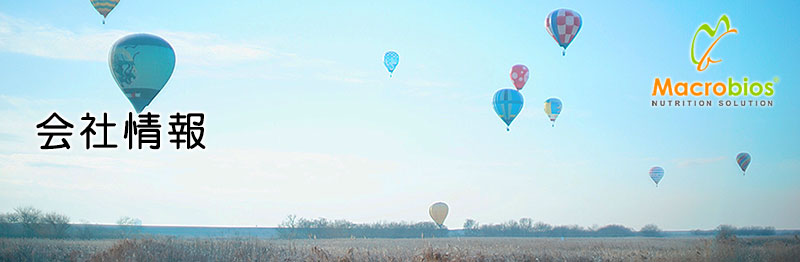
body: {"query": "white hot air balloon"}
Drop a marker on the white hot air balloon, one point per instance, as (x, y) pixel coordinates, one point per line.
(438, 212)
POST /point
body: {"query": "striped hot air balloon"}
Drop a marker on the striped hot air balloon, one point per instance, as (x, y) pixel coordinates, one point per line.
(552, 107)
(507, 104)
(743, 159)
(104, 7)
(656, 173)
(563, 25)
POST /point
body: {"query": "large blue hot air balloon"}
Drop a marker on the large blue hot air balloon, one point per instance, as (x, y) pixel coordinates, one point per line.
(743, 159)
(390, 60)
(507, 104)
(141, 64)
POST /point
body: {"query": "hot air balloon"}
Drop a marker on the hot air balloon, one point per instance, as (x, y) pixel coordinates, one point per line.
(656, 173)
(743, 159)
(519, 76)
(552, 107)
(104, 7)
(507, 104)
(563, 25)
(438, 212)
(390, 60)
(141, 65)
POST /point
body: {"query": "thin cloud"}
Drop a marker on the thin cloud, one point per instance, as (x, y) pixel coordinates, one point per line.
(699, 161)
(43, 40)
(202, 54)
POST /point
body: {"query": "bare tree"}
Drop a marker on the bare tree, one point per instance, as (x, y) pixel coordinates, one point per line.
(129, 226)
(470, 226)
(726, 233)
(55, 225)
(470, 223)
(7, 224)
(30, 218)
(526, 223)
(650, 230)
(289, 222)
(287, 228)
(542, 227)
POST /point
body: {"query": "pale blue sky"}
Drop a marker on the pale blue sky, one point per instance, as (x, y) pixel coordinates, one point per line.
(303, 119)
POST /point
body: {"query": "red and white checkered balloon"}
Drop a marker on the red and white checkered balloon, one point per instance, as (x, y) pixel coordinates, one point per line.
(519, 75)
(563, 25)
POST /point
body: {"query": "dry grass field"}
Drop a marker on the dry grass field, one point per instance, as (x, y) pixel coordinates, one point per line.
(447, 249)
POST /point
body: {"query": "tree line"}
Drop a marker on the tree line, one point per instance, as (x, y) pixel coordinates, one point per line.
(29, 222)
(525, 227)
(740, 231)
(294, 228)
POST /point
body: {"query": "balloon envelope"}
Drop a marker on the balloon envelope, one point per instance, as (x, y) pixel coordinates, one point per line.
(141, 65)
(507, 104)
(519, 76)
(390, 60)
(743, 159)
(563, 25)
(104, 6)
(656, 173)
(552, 107)
(438, 212)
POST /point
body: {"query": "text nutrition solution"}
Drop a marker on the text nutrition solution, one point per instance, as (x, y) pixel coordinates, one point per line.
(733, 93)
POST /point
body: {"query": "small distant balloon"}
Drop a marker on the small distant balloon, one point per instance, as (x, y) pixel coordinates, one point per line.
(104, 7)
(656, 173)
(552, 107)
(519, 76)
(438, 212)
(507, 104)
(390, 60)
(563, 25)
(743, 159)
(141, 65)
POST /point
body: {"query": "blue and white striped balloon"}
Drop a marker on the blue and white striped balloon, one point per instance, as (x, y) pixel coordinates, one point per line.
(656, 173)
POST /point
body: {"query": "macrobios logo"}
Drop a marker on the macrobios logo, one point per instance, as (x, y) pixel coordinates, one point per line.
(706, 60)
(749, 92)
